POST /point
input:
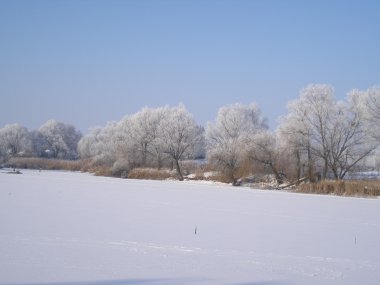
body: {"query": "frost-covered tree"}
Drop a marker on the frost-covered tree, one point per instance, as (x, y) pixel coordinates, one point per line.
(300, 129)
(264, 148)
(144, 128)
(60, 139)
(88, 145)
(373, 103)
(125, 148)
(14, 140)
(200, 145)
(369, 102)
(333, 134)
(228, 137)
(315, 110)
(295, 138)
(349, 139)
(178, 135)
(99, 145)
(38, 143)
(146, 138)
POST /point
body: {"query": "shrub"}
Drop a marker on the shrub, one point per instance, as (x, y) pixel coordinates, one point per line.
(120, 168)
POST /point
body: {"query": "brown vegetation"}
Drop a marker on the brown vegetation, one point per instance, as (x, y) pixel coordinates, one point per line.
(360, 188)
(47, 164)
(150, 174)
(100, 170)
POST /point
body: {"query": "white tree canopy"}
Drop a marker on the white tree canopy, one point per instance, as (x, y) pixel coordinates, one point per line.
(228, 137)
(60, 139)
(178, 135)
(333, 133)
(146, 138)
(14, 139)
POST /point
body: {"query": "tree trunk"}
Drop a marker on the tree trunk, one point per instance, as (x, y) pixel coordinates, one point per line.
(298, 162)
(335, 171)
(159, 162)
(325, 168)
(310, 166)
(178, 170)
(144, 147)
(279, 179)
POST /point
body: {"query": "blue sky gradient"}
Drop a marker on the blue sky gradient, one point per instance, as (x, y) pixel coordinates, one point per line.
(90, 62)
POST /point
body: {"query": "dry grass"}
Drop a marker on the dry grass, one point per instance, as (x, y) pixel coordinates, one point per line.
(209, 172)
(149, 173)
(101, 170)
(216, 176)
(189, 167)
(198, 174)
(360, 188)
(47, 164)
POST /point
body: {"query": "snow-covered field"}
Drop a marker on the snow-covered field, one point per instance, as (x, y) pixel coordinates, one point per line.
(74, 229)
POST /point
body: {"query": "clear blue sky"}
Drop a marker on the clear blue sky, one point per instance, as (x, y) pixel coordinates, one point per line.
(90, 62)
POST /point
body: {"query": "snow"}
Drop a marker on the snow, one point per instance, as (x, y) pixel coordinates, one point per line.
(74, 228)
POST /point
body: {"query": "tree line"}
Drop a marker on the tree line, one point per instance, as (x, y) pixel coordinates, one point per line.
(320, 137)
(52, 140)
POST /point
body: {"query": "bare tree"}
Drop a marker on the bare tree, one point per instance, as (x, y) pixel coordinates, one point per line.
(265, 150)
